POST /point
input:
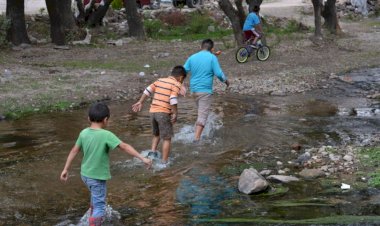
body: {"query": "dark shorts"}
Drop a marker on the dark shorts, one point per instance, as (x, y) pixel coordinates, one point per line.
(250, 34)
(161, 125)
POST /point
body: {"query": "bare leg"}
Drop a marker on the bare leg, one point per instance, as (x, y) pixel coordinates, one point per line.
(155, 142)
(166, 149)
(198, 132)
(255, 40)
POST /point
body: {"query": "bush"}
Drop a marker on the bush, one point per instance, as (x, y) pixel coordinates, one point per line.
(175, 18)
(117, 4)
(198, 24)
(4, 26)
(152, 28)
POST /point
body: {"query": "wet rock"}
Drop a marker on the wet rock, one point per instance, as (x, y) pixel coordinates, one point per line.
(311, 173)
(282, 178)
(251, 182)
(265, 173)
(303, 158)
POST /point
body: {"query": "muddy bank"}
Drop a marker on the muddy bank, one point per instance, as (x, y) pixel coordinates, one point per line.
(42, 78)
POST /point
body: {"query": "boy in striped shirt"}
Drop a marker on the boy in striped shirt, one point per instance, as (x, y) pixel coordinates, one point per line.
(163, 109)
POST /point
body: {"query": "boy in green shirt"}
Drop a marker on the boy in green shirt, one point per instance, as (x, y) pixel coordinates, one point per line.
(96, 143)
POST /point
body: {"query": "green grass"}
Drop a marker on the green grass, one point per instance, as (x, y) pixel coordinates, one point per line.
(43, 103)
(195, 28)
(370, 158)
(343, 219)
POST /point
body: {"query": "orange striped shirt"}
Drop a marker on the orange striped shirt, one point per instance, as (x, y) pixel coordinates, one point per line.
(165, 92)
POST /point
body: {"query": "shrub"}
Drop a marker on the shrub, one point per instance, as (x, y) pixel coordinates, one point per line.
(175, 18)
(198, 24)
(4, 26)
(117, 4)
(152, 28)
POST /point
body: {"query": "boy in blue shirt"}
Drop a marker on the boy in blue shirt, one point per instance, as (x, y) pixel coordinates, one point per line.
(252, 26)
(203, 66)
(95, 143)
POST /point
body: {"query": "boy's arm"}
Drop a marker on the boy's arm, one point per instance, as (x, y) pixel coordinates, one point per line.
(138, 106)
(74, 151)
(174, 113)
(218, 71)
(130, 150)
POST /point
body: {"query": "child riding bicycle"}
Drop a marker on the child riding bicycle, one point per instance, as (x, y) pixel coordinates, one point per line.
(252, 26)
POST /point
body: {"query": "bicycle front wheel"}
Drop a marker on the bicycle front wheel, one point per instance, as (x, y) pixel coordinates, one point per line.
(263, 53)
(242, 55)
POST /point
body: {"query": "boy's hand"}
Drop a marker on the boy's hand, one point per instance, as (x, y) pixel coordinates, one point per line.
(137, 106)
(227, 84)
(173, 118)
(183, 90)
(64, 175)
(147, 162)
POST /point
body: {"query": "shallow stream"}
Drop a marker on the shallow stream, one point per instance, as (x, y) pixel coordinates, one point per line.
(200, 187)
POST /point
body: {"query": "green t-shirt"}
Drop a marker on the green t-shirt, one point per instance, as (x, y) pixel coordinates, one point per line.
(95, 145)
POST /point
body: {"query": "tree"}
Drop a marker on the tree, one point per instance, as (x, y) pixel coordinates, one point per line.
(233, 16)
(135, 24)
(330, 16)
(17, 33)
(317, 5)
(61, 19)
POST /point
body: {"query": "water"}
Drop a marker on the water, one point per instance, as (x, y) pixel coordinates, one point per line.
(200, 184)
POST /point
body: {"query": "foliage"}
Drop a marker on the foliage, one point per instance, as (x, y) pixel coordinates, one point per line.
(370, 157)
(4, 26)
(193, 26)
(175, 18)
(283, 27)
(117, 4)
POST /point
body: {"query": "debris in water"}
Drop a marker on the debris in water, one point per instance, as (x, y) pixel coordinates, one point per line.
(345, 186)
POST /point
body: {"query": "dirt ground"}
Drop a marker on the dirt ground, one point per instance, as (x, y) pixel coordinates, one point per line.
(40, 75)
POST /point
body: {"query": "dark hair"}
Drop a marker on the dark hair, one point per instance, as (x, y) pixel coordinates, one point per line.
(179, 71)
(98, 112)
(207, 44)
(256, 8)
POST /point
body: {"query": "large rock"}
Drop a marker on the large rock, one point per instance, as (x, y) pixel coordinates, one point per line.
(311, 173)
(282, 178)
(251, 181)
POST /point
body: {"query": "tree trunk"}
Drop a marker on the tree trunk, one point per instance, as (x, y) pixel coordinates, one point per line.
(377, 8)
(97, 16)
(57, 29)
(135, 24)
(240, 11)
(317, 18)
(331, 19)
(17, 33)
(252, 3)
(232, 14)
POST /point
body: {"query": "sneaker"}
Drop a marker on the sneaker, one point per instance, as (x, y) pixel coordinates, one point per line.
(162, 165)
(152, 154)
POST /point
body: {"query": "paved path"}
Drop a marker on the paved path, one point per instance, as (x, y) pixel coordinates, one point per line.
(31, 6)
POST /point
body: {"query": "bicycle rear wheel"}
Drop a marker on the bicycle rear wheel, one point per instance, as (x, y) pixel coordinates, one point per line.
(263, 53)
(242, 55)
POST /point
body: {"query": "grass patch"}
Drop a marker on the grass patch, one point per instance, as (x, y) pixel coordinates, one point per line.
(43, 104)
(194, 26)
(4, 25)
(370, 158)
(344, 219)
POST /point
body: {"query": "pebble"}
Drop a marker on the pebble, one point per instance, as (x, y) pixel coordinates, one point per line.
(348, 158)
(279, 163)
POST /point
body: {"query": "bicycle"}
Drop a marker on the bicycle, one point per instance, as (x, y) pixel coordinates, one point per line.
(262, 51)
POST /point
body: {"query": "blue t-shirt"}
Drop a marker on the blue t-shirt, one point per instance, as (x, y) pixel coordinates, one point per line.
(251, 21)
(203, 66)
